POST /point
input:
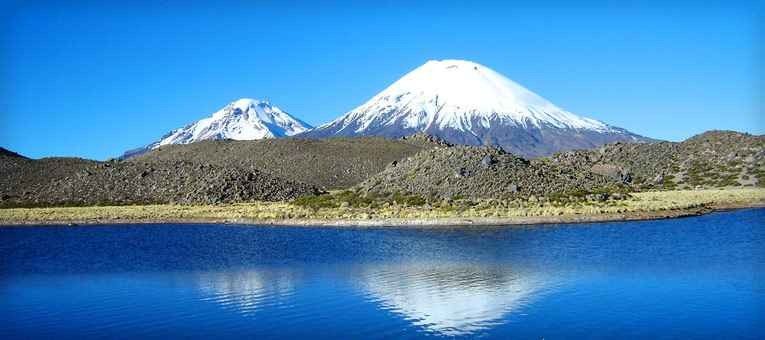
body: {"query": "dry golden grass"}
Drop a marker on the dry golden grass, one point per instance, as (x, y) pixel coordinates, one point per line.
(285, 211)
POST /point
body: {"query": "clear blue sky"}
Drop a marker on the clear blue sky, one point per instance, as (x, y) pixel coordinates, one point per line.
(94, 79)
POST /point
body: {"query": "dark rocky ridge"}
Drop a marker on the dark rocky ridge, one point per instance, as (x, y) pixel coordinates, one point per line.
(275, 170)
(203, 172)
(19, 174)
(710, 159)
(329, 163)
(8, 153)
(481, 172)
(94, 183)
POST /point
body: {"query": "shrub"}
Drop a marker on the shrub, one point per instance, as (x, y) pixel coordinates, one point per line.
(316, 202)
(408, 200)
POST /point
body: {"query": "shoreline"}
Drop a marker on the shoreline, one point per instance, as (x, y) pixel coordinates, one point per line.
(406, 222)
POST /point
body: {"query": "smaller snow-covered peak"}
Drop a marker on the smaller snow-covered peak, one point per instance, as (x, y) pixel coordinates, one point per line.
(242, 119)
(261, 109)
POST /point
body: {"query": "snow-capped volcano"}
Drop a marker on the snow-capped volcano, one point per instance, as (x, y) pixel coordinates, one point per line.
(468, 103)
(243, 119)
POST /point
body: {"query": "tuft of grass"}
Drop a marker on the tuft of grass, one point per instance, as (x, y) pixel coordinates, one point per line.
(353, 199)
(315, 202)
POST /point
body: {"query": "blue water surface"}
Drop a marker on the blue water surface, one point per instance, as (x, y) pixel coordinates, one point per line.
(699, 277)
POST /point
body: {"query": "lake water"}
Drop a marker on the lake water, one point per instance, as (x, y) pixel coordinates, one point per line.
(699, 277)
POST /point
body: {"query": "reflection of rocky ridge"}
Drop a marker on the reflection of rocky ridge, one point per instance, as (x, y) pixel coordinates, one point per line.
(451, 299)
(247, 291)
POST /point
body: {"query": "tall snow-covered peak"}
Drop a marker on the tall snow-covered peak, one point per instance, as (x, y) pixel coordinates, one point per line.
(465, 102)
(452, 93)
(242, 119)
(469, 85)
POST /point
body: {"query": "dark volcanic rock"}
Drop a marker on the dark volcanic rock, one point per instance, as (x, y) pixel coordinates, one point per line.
(461, 171)
(20, 174)
(331, 163)
(204, 172)
(62, 181)
(710, 159)
(228, 171)
(8, 153)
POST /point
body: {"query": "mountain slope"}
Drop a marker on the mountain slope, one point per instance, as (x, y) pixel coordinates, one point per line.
(467, 103)
(118, 183)
(60, 181)
(480, 172)
(243, 119)
(8, 153)
(330, 163)
(711, 159)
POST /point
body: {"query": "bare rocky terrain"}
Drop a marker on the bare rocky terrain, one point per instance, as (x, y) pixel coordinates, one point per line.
(713, 159)
(211, 172)
(708, 160)
(482, 172)
(332, 163)
(206, 172)
(76, 182)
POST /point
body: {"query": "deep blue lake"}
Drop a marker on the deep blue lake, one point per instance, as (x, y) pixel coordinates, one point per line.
(699, 277)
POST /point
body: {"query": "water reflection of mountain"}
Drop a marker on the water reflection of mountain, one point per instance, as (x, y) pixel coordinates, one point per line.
(443, 298)
(247, 291)
(450, 299)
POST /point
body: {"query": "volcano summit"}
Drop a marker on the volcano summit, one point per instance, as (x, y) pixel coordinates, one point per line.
(467, 103)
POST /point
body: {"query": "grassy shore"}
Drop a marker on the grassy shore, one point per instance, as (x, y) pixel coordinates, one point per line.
(643, 205)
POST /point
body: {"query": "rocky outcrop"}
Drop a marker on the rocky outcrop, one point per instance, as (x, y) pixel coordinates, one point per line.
(482, 172)
(711, 159)
(204, 172)
(283, 169)
(57, 182)
(332, 163)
